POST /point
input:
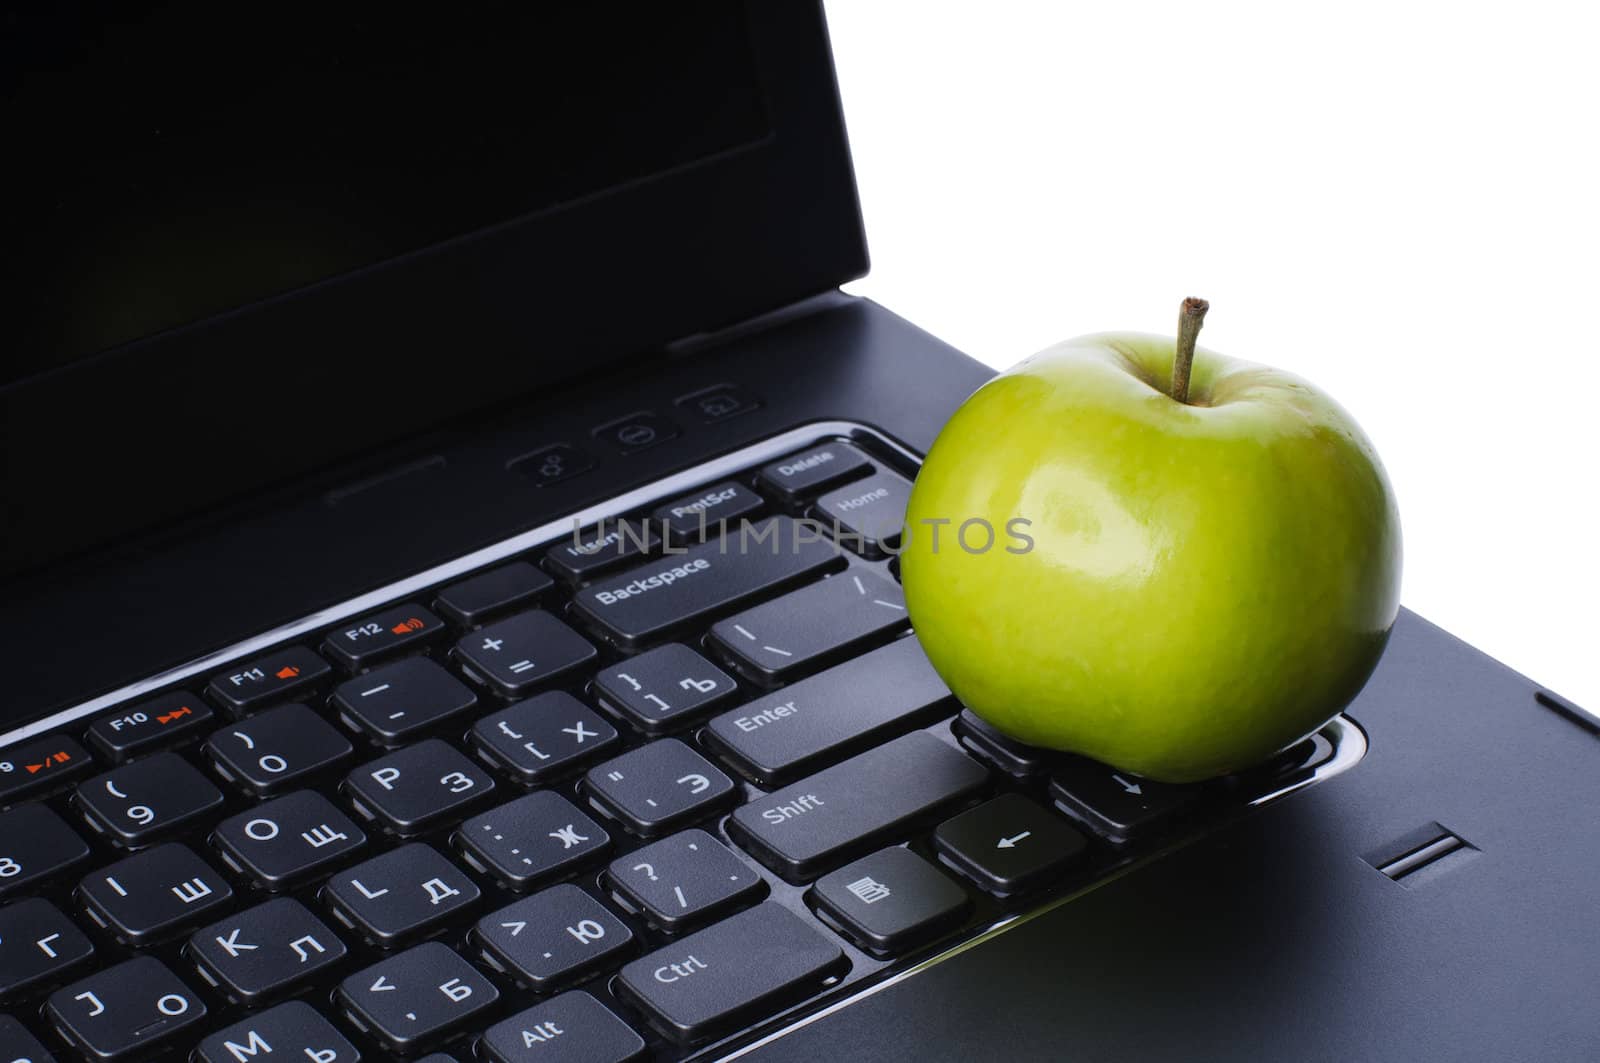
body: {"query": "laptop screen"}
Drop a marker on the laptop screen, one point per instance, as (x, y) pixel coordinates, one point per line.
(176, 160)
(244, 245)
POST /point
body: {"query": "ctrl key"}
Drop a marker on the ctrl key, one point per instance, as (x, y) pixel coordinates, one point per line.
(133, 1006)
(572, 1026)
(740, 969)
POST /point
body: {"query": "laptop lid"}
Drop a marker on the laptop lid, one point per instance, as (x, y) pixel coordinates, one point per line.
(244, 246)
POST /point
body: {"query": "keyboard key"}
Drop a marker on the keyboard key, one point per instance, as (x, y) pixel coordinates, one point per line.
(277, 749)
(292, 1031)
(683, 880)
(149, 725)
(417, 996)
(521, 652)
(153, 893)
(658, 786)
(39, 764)
(663, 688)
(556, 937)
(804, 474)
(400, 894)
(999, 749)
(890, 901)
(397, 702)
(361, 643)
(744, 967)
(573, 1026)
(265, 951)
(856, 806)
(698, 516)
(1009, 845)
(17, 1042)
(135, 1006)
(272, 677)
(535, 837)
(35, 844)
(655, 600)
(287, 838)
(815, 625)
(1118, 807)
(148, 797)
(597, 550)
(514, 585)
(868, 515)
(37, 943)
(787, 733)
(544, 736)
(418, 787)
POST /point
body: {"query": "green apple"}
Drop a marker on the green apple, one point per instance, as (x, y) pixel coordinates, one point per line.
(1214, 565)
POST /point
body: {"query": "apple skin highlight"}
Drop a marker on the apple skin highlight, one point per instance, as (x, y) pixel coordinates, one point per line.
(1210, 580)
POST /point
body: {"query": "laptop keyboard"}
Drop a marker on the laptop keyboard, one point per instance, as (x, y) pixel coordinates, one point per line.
(624, 797)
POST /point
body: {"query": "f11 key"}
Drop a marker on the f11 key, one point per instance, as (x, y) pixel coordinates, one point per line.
(268, 678)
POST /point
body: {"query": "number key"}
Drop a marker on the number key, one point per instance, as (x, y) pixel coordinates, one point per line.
(137, 801)
(35, 844)
(277, 749)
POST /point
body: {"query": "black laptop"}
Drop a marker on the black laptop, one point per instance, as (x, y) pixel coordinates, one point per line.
(381, 680)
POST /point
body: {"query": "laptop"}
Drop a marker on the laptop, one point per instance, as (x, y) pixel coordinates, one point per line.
(388, 674)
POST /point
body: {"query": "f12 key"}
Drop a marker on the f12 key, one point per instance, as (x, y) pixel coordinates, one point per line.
(361, 642)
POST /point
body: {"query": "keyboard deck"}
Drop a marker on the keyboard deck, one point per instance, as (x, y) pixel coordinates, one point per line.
(649, 793)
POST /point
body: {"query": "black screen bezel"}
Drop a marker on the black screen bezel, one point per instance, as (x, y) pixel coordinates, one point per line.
(169, 425)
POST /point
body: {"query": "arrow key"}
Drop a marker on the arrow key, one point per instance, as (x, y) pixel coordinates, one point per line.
(1008, 845)
(1115, 805)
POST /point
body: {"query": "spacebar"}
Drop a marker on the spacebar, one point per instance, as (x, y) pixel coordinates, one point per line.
(822, 821)
(680, 590)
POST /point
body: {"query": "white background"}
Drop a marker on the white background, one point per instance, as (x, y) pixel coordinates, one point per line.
(1398, 201)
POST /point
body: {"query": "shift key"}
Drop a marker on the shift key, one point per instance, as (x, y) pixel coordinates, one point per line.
(835, 815)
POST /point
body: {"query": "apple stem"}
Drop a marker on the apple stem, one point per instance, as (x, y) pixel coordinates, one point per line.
(1191, 315)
